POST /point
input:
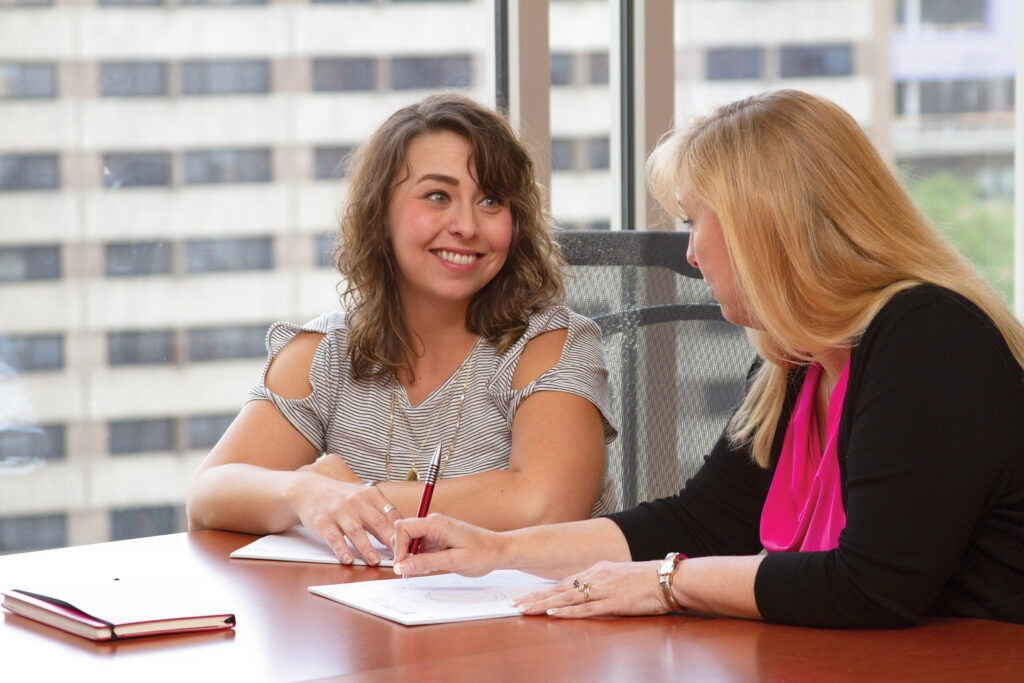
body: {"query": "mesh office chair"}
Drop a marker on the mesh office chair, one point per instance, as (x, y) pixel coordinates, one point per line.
(677, 368)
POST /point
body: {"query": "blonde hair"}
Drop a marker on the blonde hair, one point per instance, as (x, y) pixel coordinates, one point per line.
(819, 231)
(531, 278)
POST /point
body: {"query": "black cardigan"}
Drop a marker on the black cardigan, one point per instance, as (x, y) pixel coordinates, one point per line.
(931, 457)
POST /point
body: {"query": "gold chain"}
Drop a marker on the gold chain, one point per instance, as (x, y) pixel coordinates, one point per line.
(413, 474)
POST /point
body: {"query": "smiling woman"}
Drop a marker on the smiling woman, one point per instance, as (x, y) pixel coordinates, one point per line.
(453, 335)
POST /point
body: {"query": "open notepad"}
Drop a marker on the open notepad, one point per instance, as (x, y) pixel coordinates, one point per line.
(299, 544)
(437, 599)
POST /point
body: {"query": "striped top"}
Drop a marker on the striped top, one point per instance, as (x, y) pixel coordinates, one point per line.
(352, 418)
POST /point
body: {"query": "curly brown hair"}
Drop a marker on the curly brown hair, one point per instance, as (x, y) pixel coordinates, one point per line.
(531, 278)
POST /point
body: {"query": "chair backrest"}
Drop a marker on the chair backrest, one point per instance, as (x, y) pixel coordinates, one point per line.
(677, 367)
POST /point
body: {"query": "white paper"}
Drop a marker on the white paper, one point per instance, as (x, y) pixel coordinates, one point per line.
(439, 598)
(299, 544)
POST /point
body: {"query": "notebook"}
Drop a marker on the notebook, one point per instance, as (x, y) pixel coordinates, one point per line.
(438, 598)
(116, 609)
(299, 544)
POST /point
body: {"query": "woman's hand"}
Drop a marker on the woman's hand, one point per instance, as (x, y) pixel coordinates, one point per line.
(446, 544)
(607, 588)
(333, 466)
(334, 510)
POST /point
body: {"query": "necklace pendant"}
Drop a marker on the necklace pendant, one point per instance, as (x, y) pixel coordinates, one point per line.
(413, 475)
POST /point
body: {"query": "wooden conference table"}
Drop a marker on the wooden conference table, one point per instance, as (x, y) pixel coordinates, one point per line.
(285, 633)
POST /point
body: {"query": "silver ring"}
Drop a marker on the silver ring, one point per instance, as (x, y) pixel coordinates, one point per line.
(387, 508)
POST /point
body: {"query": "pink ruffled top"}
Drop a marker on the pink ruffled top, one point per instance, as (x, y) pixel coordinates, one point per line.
(804, 508)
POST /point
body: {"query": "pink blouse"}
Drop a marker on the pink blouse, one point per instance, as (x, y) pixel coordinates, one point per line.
(804, 508)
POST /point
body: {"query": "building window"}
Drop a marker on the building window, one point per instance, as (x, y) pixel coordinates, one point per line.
(563, 154)
(965, 96)
(210, 167)
(347, 73)
(325, 246)
(27, 81)
(32, 442)
(597, 68)
(598, 153)
(734, 63)
(32, 353)
(946, 13)
(19, 264)
(226, 343)
(204, 431)
(127, 259)
(141, 522)
(208, 256)
(808, 61)
(131, 3)
(331, 163)
(141, 436)
(561, 68)
(29, 172)
(140, 348)
(413, 73)
(38, 532)
(148, 169)
(225, 77)
(133, 79)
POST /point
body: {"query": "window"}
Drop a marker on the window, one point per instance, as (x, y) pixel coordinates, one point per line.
(325, 245)
(348, 73)
(563, 154)
(964, 96)
(36, 532)
(29, 172)
(411, 73)
(225, 77)
(141, 436)
(804, 61)
(331, 163)
(124, 259)
(209, 167)
(149, 169)
(598, 153)
(32, 442)
(728, 63)
(133, 79)
(140, 348)
(22, 80)
(597, 68)
(207, 256)
(561, 68)
(953, 12)
(224, 343)
(205, 430)
(32, 353)
(19, 264)
(138, 522)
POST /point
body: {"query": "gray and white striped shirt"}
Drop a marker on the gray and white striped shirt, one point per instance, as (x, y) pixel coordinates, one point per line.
(352, 418)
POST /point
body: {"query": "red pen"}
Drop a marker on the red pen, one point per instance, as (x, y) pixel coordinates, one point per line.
(428, 491)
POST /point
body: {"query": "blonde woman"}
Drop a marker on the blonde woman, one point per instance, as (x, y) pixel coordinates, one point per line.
(878, 456)
(453, 335)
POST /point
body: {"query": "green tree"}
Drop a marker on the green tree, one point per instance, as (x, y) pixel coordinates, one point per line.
(980, 228)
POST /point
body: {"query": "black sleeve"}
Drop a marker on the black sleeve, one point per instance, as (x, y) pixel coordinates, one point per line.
(931, 422)
(717, 512)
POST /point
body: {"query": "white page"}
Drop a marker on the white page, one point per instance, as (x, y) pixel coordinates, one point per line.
(299, 544)
(437, 599)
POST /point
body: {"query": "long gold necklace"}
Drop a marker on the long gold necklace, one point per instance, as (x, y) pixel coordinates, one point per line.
(413, 473)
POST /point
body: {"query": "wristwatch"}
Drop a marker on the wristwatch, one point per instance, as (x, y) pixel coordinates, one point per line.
(666, 571)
